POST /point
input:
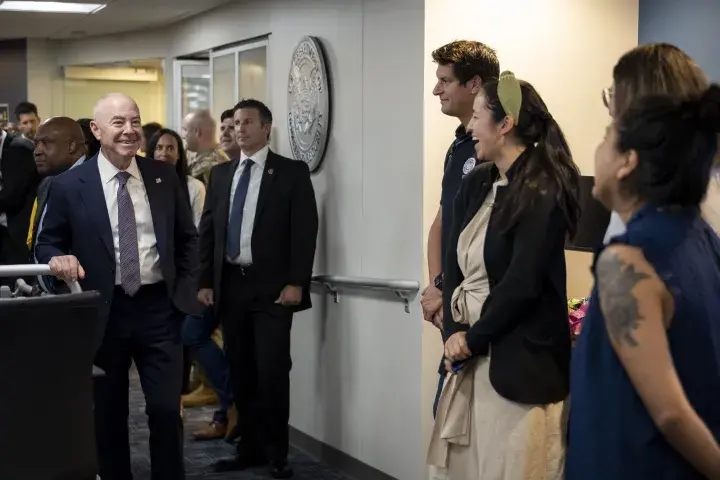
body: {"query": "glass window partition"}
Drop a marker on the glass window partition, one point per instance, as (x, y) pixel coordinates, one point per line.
(223, 83)
(218, 83)
(192, 88)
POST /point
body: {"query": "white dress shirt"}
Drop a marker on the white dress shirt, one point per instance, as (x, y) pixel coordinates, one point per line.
(147, 244)
(256, 174)
(196, 189)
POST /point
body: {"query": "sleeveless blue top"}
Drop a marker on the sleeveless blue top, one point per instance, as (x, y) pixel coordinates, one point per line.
(611, 434)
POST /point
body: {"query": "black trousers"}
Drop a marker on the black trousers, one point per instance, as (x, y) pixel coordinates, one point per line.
(145, 329)
(257, 342)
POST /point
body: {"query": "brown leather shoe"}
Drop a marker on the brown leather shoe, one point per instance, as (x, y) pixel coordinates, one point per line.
(232, 431)
(213, 431)
(200, 397)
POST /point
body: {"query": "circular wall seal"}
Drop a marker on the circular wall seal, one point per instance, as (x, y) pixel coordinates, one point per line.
(308, 103)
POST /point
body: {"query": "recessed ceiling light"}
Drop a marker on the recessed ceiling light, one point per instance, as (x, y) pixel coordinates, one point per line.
(50, 7)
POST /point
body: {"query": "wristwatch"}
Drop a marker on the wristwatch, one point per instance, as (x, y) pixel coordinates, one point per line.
(438, 281)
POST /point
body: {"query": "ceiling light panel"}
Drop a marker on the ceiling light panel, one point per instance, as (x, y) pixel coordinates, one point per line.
(50, 7)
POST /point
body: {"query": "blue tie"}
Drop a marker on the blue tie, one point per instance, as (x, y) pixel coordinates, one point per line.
(236, 214)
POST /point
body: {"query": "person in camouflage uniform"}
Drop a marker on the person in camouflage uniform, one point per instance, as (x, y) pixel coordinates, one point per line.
(199, 130)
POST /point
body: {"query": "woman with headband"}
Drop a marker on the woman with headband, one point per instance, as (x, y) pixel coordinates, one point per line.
(505, 307)
(646, 370)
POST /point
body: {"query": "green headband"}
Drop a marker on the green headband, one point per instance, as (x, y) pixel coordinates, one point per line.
(510, 95)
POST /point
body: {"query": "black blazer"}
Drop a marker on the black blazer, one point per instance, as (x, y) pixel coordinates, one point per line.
(43, 190)
(77, 223)
(20, 181)
(524, 320)
(284, 233)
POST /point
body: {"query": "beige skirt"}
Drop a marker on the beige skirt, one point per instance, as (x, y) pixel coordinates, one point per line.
(507, 440)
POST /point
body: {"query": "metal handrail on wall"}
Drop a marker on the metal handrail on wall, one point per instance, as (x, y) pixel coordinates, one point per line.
(404, 289)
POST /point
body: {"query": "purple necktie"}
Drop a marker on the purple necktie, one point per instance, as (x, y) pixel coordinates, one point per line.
(127, 233)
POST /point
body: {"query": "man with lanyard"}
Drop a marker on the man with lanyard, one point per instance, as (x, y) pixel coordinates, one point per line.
(463, 67)
(59, 146)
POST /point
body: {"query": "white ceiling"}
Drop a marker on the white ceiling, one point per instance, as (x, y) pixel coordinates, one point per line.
(118, 16)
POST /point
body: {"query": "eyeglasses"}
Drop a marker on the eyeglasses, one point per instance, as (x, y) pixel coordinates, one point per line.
(607, 96)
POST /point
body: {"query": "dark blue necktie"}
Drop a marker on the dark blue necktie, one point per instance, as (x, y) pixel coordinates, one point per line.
(236, 214)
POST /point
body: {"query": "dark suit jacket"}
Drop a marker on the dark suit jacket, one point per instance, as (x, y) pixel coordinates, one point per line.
(77, 223)
(284, 234)
(524, 320)
(20, 180)
(42, 196)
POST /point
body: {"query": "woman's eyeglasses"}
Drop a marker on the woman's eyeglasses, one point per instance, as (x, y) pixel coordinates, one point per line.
(607, 96)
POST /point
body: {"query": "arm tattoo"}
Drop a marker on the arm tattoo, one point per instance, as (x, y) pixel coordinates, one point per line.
(619, 305)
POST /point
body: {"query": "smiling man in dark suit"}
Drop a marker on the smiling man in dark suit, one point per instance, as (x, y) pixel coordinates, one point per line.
(257, 247)
(120, 224)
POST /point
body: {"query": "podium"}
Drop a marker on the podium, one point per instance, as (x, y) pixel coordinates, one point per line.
(47, 347)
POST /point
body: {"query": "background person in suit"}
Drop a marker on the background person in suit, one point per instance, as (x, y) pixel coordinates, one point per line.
(227, 134)
(28, 119)
(59, 145)
(129, 227)
(18, 185)
(91, 143)
(257, 247)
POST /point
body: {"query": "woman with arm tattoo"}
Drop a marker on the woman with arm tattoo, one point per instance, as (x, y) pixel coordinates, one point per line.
(645, 377)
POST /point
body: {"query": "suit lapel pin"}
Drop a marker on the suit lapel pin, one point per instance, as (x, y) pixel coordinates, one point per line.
(158, 180)
(271, 171)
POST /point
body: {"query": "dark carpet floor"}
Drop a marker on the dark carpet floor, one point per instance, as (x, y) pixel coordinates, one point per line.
(199, 456)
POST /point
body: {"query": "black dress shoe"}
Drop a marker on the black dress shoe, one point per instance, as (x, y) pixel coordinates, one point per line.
(280, 470)
(239, 462)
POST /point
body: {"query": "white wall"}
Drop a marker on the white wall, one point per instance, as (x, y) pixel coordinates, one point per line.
(56, 95)
(80, 96)
(116, 48)
(356, 383)
(567, 50)
(45, 83)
